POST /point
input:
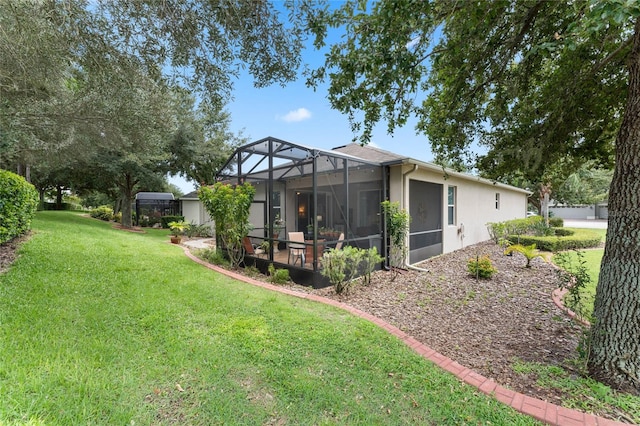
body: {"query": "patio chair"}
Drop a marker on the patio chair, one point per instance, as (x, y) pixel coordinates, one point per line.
(340, 241)
(297, 247)
(250, 249)
(339, 244)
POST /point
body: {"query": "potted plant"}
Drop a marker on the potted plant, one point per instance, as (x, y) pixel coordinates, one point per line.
(177, 229)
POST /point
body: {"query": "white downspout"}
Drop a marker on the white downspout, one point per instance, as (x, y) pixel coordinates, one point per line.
(405, 203)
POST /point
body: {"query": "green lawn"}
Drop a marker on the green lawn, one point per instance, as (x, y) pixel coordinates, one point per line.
(592, 259)
(100, 326)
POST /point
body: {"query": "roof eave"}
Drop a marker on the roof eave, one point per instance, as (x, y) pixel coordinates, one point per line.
(451, 172)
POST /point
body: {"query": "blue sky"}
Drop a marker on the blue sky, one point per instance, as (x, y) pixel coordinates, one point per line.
(301, 115)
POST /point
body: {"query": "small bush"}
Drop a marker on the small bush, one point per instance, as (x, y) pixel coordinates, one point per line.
(18, 204)
(556, 222)
(481, 267)
(252, 271)
(562, 232)
(540, 229)
(203, 231)
(370, 258)
(165, 220)
(103, 213)
(215, 257)
(278, 276)
(529, 252)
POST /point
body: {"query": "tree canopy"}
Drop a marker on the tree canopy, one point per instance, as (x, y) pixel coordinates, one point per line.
(94, 86)
(543, 86)
(513, 76)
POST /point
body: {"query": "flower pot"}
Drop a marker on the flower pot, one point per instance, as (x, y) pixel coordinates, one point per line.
(176, 239)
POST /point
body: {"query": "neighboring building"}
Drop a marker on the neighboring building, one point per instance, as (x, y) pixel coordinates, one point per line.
(590, 211)
(151, 206)
(325, 193)
(193, 210)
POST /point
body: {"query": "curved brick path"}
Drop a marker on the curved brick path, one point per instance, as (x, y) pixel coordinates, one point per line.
(541, 410)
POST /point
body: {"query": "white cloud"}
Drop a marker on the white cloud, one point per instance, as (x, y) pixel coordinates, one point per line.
(299, 114)
(413, 43)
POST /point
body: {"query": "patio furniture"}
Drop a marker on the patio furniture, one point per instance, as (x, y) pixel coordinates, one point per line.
(250, 249)
(296, 247)
(309, 249)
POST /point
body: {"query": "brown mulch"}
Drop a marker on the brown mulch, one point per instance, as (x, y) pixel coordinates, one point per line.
(8, 252)
(483, 324)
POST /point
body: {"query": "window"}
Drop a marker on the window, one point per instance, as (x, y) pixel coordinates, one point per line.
(276, 206)
(497, 201)
(451, 205)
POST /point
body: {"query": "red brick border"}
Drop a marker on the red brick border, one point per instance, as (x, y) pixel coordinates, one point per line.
(543, 411)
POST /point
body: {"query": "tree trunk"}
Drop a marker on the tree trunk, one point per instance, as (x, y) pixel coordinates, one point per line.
(59, 197)
(127, 199)
(615, 335)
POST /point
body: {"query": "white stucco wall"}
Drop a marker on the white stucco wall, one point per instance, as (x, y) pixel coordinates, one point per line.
(194, 212)
(475, 203)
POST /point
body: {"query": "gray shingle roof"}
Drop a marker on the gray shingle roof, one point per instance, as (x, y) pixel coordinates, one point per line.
(369, 153)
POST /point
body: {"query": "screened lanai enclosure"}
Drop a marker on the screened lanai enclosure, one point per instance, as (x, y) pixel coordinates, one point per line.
(307, 201)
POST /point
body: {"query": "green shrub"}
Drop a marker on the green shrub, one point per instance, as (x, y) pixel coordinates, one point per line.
(529, 252)
(501, 230)
(214, 256)
(342, 266)
(370, 258)
(203, 231)
(252, 271)
(540, 229)
(18, 204)
(278, 276)
(481, 267)
(102, 213)
(556, 222)
(63, 206)
(562, 232)
(582, 238)
(165, 220)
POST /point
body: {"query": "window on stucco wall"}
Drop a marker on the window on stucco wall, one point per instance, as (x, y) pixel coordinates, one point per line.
(451, 205)
(497, 201)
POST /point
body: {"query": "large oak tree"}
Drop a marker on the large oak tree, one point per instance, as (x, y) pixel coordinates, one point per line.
(543, 86)
(91, 77)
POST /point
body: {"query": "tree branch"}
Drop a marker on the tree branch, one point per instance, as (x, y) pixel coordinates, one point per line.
(628, 42)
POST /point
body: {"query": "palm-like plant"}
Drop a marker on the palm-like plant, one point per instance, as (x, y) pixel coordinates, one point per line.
(530, 252)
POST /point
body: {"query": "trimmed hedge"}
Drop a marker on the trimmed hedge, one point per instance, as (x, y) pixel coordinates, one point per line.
(563, 232)
(556, 222)
(582, 238)
(18, 205)
(64, 206)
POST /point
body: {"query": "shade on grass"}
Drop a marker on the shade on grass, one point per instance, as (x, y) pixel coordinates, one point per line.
(100, 326)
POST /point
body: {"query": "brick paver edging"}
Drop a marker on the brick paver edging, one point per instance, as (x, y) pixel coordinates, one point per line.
(544, 411)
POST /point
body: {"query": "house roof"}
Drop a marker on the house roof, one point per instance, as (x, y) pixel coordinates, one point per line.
(387, 158)
(154, 196)
(193, 195)
(293, 154)
(368, 152)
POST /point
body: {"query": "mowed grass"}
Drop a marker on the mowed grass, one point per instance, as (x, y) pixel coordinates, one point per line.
(101, 326)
